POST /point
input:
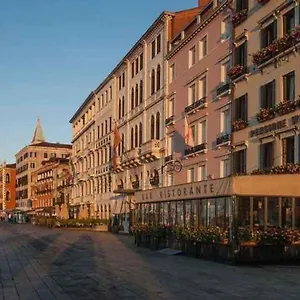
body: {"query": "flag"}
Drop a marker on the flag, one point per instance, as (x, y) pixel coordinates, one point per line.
(72, 168)
(189, 139)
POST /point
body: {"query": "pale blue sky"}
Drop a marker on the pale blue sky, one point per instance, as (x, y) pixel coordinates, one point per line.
(54, 52)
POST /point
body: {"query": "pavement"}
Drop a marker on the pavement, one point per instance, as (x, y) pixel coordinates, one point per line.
(42, 263)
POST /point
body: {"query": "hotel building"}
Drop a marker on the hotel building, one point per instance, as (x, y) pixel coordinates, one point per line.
(29, 159)
(7, 187)
(135, 111)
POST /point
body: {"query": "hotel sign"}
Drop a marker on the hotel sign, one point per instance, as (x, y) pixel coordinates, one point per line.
(201, 189)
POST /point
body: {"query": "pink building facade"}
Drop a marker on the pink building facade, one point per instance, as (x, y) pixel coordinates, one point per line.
(198, 113)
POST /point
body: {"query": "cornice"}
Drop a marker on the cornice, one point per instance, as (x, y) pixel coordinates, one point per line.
(214, 14)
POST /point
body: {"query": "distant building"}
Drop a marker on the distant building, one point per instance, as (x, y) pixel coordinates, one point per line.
(29, 159)
(51, 185)
(7, 187)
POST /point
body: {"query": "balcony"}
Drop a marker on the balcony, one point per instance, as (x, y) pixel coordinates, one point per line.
(224, 89)
(237, 71)
(169, 158)
(131, 158)
(169, 121)
(150, 151)
(201, 148)
(201, 103)
(239, 17)
(225, 138)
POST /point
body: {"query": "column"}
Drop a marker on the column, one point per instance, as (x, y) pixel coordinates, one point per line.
(265, 212)
(251, 213)
(280, 212)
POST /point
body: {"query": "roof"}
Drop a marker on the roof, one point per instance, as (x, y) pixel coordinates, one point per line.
(52, 145)
(38, 135)
(104, 82)
(11, 166)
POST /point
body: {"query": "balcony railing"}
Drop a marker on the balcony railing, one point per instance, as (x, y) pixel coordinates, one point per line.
(201, 103)
(131, 158)
(169, 121)
(150, 150)
(223, 89)
(223, 139)
(169, 158)
(195, 149)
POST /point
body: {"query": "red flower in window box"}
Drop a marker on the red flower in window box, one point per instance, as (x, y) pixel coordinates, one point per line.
(235, 71)
(239, 125)
(265, 114)
(239, 17)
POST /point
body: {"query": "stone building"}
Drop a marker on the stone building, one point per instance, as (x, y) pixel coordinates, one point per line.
(51, 187)
(130, 101)
(29, 159)
(7, 187)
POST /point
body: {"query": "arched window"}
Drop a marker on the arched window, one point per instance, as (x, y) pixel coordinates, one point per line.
(7, 178)
(136, 136)
(120, 109)
(132, 98)
(131, 138)
(123, 143)
(152, 127)
(158, 78)
(123, 106)
(7, 197)
(158, 126)
(141, 91)
(136, 95)
(152, 82)
(140, 135)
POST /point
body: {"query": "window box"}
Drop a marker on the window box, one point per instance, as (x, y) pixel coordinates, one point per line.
(239, 125)
(239, 17)
(195, 149)
(236, 72)
(286, 107)
(201, 103)
(223, 139)
(169, 121)
(277, 47)
(287, 169)
(265, 114)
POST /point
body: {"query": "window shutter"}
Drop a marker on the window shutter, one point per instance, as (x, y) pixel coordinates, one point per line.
(273, 99)
(275, 30)
(244, 62)
(284, 152)
(262, 100)
(284, 78)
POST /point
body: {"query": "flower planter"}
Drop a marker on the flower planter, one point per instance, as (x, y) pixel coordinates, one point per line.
(101, 228)
(265, 115)
(239, 125)
(263, 2)
(239, 17)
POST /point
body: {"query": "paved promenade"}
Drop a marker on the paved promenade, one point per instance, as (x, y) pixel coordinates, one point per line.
(40, 263)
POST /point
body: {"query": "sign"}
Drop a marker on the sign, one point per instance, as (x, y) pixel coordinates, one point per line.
(194, 190)
(268, 128)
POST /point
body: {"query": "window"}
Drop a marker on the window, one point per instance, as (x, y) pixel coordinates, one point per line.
(152, 82)
(224, 71)
(239, 162)
(153, 49)
(132, 138)
(172, 73)
(191, 175)
(240, 55)
(171, 108)
(241, 108)
(136, 65)
(140, 135)
(268, 34)
(225, 122)
(7, 197)
(141, 91)
(193, 133)
(158, 126)
(158, 45)
(267, 95)
(192, 56)
(141, 61)
(123, 79)
(152, 127)
(202, 88)
(267, 155)
(202, 173)
(45, 155)
(136, 136)
(132, 69)
(202, 133)
(158, 78)
(203, 47)
(288, 150)
(120, 111)
(132, 98)
(192, 94)
(289, 87)
(120, 82)
(136, 95)
(289, 21)
(7, 178)
(241, 5)
(225, 168)
(225, 29)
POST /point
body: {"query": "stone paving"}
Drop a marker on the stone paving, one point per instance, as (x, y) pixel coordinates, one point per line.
(41, 263)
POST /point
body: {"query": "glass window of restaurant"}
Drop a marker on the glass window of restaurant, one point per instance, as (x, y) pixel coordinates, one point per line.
(258, 211)
(273, 211)
(243, 209)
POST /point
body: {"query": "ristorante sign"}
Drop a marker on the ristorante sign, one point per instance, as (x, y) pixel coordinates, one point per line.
(202, 189)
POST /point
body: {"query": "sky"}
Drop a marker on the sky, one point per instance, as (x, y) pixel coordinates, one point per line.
(54, 53)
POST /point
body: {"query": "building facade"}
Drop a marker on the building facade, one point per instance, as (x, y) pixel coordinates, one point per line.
(132, 101)
(29, 159)
(7, 187)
